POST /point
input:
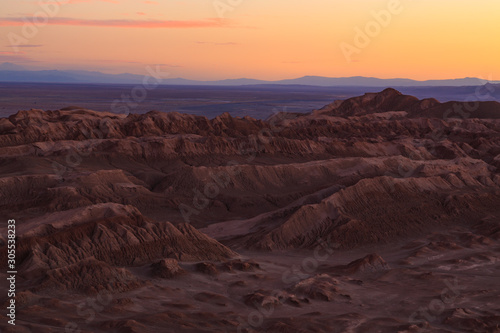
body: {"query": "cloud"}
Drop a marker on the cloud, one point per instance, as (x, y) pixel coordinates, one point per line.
(169, 65)
(140, 13)
(67, 2)
(218, 43)
(114, 61)
(147, 2)
(149, 24)
(14, 57)
(25, 45)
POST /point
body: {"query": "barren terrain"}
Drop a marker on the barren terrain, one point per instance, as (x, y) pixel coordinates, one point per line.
(378, 213)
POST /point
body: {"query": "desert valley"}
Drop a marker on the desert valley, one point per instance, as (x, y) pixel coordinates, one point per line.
(376, 213)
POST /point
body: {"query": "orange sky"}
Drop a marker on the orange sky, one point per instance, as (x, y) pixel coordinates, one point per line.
(278, 39)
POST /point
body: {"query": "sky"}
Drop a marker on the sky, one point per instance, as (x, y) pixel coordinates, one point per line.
(261, 39)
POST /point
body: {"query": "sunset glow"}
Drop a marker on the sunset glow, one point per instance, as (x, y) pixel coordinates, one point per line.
(219, 39)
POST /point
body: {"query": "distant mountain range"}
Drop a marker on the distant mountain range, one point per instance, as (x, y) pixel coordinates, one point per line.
(10, 72)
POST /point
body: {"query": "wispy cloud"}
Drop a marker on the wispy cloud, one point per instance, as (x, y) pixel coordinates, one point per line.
(218, 43)
(126, 61)
(150, 24)
(169, 65)
(25, 45)
(14, 57)
(67, 2)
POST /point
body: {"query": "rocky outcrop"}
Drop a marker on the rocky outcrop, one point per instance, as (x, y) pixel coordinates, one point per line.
(167, 268)
(85, 249)
(370, 263)
(320, 287)
(392, 100)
